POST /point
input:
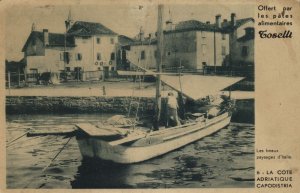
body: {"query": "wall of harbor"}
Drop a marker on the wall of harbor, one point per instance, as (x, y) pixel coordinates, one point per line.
(44, 104)
(100, 104)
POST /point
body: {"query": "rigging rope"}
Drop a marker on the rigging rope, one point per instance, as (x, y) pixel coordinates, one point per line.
(45, 168)
(9, 143)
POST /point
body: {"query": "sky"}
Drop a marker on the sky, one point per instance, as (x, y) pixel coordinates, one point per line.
(125, 19)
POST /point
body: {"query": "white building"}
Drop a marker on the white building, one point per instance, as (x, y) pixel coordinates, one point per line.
(193, 45)
(95, 47)
(43, 51)
(88, 48)
(142, 53)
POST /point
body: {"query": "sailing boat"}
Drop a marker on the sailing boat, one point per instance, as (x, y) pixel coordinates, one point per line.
(110, 143)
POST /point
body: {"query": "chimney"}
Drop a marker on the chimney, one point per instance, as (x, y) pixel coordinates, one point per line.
(218, 21)
(33, 27)
(46, 37)
(233, 19)
(207, 22)
(141, 35)
(169, 24)
(224, 22)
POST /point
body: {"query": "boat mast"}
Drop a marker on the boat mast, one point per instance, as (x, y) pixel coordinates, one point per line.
(159, 62)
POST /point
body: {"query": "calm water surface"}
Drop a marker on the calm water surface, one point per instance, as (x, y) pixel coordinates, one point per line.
(224, 159)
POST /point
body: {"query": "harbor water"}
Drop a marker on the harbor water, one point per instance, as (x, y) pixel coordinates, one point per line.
(222, 160)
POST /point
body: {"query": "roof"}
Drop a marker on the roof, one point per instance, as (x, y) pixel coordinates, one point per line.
(195, 25)
(55, 39)
(239, 23)
(124, 40)
(83, 28)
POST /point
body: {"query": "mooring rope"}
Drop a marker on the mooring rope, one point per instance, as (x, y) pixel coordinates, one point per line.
(45, 168)
(9, 143)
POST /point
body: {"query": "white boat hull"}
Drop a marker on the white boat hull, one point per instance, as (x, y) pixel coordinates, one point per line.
(92, 147)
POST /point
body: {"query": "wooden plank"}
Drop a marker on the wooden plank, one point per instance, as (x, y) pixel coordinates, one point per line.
(95, 131)
(54, 131)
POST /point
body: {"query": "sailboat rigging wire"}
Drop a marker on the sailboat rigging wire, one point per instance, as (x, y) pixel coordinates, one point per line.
(23, 143)
(45, 168)
(9, 143)
(180, 85)
(137, 76)
(131, 98)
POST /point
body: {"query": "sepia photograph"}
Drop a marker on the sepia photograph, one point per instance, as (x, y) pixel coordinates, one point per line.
(130, 96)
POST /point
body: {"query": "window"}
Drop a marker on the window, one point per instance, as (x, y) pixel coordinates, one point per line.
(68, 69)
(143, 55)
(67, 57)
(98, 40)
(33, 71)
(203, 46)
(112, 68)
(203, 34)
(223, 50)
(112, 56)
(244, 51)
(78, 56)
(223, 36)
(62, 56)
(98, 56)
(168, 53)
(112, 40)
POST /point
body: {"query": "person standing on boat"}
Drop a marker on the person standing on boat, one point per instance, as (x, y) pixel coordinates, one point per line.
(172, 106)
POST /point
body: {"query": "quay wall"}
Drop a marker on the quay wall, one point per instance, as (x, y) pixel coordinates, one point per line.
(100, 104)
(96, 104)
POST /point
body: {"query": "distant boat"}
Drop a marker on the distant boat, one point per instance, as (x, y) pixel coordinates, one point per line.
(111, 143)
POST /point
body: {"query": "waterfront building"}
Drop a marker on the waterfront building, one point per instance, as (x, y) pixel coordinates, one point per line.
(87, 48)
(44, 51)
(95, 47)
(196, 45)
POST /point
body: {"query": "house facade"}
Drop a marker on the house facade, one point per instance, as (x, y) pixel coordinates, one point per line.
(86, 47)
(241, 41)
(96, 47)
(142, 53)
(194, 45)
(43, 52)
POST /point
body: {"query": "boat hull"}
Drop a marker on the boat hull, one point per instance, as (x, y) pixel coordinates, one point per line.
(92, 147)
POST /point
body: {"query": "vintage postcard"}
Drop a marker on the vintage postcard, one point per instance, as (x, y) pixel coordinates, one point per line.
(138, 96)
